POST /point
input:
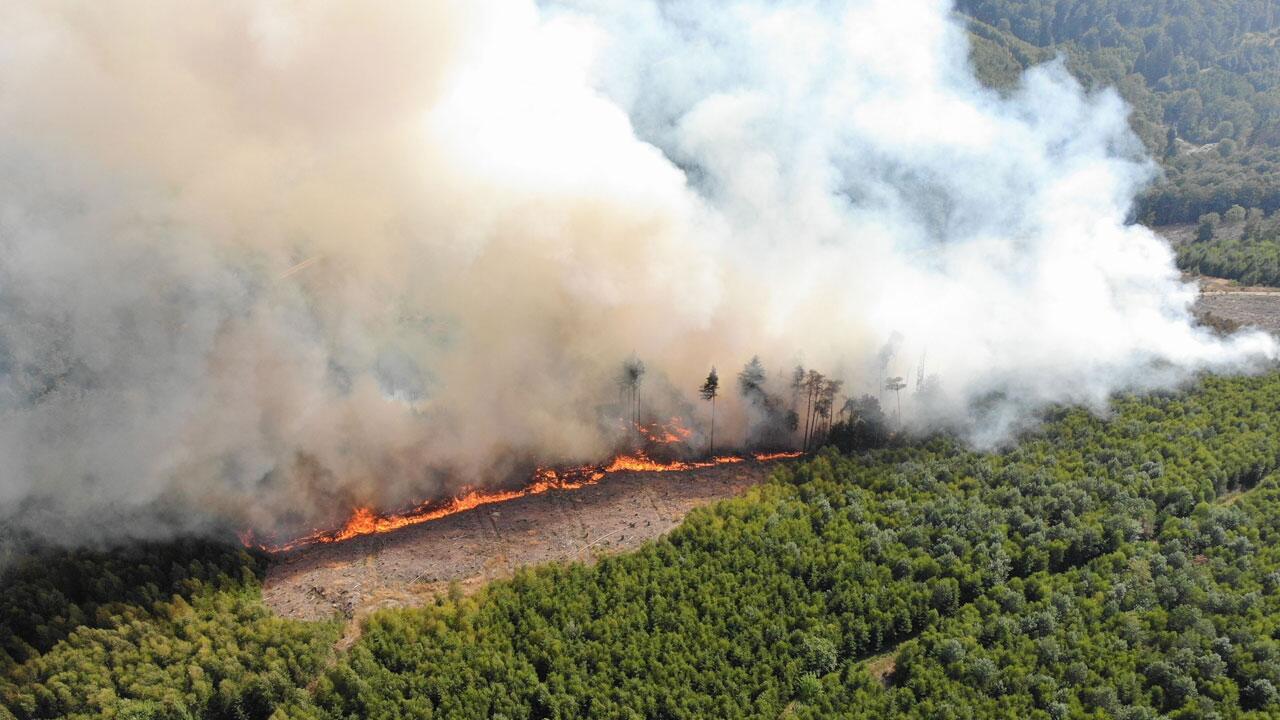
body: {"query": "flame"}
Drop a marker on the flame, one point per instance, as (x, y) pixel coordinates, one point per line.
(672, 431)
(766, 457)
(641, 463)
(366, 521)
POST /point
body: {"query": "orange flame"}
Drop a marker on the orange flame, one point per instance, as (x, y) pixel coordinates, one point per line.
(365, 521)
(672, 431)
(766, 457)
(641, 463)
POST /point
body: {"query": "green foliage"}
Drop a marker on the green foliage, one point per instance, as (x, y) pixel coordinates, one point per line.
(1088, 570)
(1202, 76)
(52, 593)
(153, 631)
(1252, 259)
(1124, 567)
(1208, 226)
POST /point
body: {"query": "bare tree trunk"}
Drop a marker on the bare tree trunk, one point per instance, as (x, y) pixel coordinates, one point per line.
(813, 426)
(713, 427)
(633, 412)
(808, 410)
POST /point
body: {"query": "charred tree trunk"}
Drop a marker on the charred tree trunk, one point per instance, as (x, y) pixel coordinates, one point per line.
(808, 415)
(712, 451)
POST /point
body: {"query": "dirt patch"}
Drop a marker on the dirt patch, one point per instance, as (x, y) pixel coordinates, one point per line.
(410, 566)
(882, 667)
(1241, 307)
(1225, 305)
(1185, 234)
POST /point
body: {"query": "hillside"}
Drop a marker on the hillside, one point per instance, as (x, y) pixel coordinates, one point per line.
(1202, 77)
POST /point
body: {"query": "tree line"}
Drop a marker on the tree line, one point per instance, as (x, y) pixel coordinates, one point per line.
(1242, 245)
(1126, 566)
(811, 416)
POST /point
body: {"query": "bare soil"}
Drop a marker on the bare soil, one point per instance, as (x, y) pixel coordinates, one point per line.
(882, 667)
(1225, 304)
(1228, 305)
(1186, 233)
(410, 566)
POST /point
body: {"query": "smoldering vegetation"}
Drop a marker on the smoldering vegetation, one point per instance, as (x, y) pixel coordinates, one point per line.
(263, 262)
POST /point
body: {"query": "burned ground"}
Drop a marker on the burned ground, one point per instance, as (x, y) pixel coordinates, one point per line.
(1230, 306)
(411, 565)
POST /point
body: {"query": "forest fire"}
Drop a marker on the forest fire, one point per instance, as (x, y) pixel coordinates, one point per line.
(665, 433)
(767, 457)
(639, 462)
(367, 521)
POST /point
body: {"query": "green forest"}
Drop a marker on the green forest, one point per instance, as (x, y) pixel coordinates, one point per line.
(1202, 78)
(1250, 263)
(1123, 564)
(1126, 566)
(1243, 246)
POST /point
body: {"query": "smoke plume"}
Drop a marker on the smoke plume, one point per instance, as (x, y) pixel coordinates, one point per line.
(261, 262)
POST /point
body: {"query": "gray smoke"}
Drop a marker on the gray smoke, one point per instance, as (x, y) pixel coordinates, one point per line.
(261, 262)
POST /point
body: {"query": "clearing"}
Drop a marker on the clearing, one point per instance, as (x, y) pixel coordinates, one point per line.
(409, 566)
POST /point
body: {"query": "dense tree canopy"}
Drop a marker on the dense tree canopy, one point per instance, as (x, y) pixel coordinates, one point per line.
(172, 630)
(1242, 245)
(1121, 567)
(1202, 76)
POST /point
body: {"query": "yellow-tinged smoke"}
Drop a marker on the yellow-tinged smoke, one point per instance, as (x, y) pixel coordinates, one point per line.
(269, 261)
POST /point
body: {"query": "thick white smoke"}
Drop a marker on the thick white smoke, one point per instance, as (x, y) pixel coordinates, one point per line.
(262, 261)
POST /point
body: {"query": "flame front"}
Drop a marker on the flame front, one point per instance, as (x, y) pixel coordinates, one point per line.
(665, 433)
(767, 457)
(365, 521)
(639, 462)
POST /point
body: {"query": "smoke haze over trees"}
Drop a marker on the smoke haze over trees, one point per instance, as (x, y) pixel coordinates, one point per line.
(1202, 77)
(262, 262)
(1125, 567)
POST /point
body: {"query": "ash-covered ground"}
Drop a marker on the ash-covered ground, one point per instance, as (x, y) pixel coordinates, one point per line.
(411, 565)
(1239, 306)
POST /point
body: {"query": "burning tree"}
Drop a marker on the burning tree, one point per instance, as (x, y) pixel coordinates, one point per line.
(812, 384)
(709, 391)
(830, 390)
(629, 383)
(797, 384)
(864, 428)
(751, 379)
(849, 407)
(771, 426)
(896, 384)
(822, 400)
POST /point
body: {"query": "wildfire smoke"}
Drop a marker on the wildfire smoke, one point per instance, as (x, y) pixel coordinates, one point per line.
(265, 261)
(367, 521)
